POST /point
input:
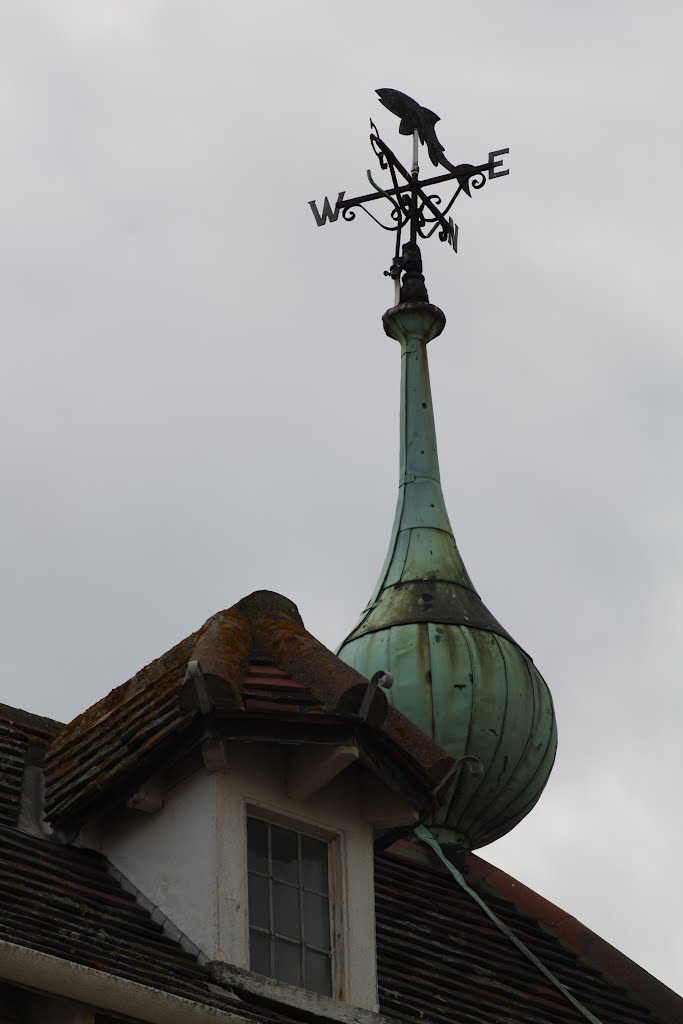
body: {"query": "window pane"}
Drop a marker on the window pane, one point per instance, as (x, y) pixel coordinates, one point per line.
(316, 920)
(289, 906)
(259, 953)
(318, 973)
(286, 918)
(287, 962)
(257, 845)
(314, 864)
(259, 914)
(285, 854)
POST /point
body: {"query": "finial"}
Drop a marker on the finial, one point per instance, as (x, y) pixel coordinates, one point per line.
(414, 204)
(413, 288)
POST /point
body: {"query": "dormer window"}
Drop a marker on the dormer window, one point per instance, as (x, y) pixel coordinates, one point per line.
(239, 783)
(290, 907)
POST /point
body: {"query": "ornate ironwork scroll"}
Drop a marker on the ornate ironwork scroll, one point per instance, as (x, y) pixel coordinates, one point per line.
(413, 207)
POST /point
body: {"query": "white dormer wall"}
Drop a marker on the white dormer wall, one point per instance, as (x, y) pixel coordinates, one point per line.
(189, 857)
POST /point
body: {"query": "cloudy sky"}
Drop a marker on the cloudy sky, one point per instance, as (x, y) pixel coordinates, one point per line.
(198, 399)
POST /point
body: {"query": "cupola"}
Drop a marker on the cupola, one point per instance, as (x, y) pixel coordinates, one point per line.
(457, 672)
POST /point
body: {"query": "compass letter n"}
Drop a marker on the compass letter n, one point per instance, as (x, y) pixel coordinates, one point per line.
(328, 213)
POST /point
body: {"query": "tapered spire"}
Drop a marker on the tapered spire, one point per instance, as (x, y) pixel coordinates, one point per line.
(423, 577)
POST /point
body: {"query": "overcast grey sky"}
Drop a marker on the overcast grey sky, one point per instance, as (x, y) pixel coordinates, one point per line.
(198, 399)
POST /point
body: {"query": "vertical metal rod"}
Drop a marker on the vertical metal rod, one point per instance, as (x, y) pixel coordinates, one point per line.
(413, 215)
(415, 171)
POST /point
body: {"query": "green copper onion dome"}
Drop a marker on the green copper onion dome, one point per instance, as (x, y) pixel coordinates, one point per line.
(458, 674)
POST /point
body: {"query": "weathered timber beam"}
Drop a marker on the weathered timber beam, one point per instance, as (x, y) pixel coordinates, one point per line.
(149, 797)
(383, 808)
(311, 768)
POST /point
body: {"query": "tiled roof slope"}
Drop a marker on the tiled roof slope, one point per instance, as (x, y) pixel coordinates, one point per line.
(20, 733)
(127, 733)
(62, 901)
(440, 959)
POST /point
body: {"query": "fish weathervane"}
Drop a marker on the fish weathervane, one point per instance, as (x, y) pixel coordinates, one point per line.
(412, 205)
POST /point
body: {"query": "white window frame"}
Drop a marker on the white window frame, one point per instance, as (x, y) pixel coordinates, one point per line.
(336, 883)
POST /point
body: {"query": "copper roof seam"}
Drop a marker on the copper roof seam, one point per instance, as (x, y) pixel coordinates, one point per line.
(481, 779)
(534, 718)
(458, 781)
(508, 822)
(536, 793)
(482, 829)
(432, 579)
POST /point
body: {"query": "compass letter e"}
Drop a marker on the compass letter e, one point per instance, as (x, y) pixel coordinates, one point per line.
(328, 213)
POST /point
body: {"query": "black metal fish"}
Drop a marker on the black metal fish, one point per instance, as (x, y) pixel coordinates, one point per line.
(415, 118)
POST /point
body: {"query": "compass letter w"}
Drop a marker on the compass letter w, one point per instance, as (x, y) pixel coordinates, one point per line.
(328, 213)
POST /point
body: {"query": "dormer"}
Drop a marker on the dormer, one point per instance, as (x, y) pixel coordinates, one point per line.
(239, 785)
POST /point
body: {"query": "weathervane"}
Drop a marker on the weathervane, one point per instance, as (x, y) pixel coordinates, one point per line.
(412, 205)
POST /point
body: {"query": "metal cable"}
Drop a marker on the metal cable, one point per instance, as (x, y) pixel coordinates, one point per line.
(423, 833)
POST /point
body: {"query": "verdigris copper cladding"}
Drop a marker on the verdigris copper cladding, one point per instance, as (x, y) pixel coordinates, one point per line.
(458, 674)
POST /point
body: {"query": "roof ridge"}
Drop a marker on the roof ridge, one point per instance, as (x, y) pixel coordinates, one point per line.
(18, 716)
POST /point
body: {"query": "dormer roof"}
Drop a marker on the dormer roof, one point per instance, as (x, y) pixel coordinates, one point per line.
(250, 672)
